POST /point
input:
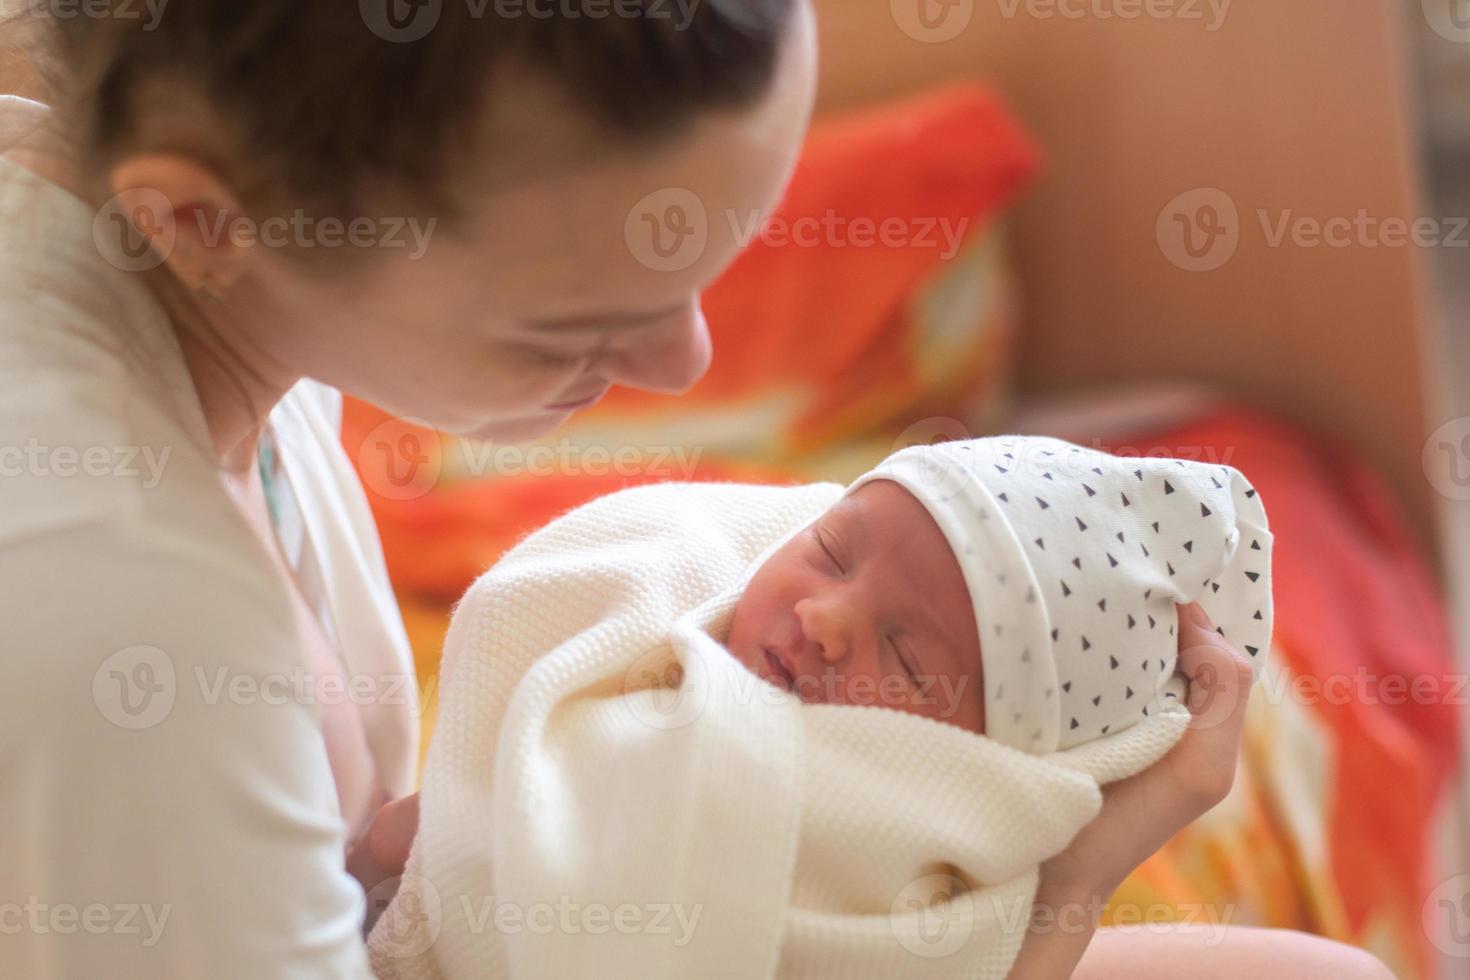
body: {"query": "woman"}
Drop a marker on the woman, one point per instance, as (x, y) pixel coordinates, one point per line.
(202, 243)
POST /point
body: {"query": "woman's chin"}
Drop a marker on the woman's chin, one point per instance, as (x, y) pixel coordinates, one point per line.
(526, 428)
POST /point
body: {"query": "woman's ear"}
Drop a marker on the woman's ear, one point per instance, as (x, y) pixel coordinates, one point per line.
(171, 209)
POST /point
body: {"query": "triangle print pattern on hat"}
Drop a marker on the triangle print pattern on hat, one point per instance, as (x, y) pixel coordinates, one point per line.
(1075, 560)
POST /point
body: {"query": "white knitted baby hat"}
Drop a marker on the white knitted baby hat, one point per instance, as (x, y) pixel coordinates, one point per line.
(1074, 561)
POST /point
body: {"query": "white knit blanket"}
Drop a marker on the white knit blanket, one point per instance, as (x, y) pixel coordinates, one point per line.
(610, 794)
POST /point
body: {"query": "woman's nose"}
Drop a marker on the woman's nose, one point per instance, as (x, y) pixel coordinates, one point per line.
(825, 626)
(669, 360)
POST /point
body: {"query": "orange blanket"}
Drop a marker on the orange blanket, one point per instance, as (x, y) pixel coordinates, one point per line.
(1351, 743)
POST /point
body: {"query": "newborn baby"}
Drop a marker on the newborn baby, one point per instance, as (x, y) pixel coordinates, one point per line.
(597, 744)
(1023, 588)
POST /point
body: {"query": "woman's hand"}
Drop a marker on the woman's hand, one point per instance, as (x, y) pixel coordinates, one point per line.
(1141, 813)
(383, 850)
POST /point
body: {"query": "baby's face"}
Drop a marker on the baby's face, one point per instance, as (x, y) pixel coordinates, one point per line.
(867, 606)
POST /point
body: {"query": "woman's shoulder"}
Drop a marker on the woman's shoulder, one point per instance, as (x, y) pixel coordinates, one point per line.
(105, 469)
(112, 504)
(92, 428)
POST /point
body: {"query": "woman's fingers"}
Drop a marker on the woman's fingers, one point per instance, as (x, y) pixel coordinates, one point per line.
(1142, 812)
(392, 833)
(382, 852)
(1220, 678)
(1220, 681)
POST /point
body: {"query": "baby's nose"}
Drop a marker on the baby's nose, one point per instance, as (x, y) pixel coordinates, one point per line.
(826, 630)
(833, 649)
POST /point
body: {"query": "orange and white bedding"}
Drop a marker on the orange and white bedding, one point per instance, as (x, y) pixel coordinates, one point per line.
(828, 358)
(1350, 741)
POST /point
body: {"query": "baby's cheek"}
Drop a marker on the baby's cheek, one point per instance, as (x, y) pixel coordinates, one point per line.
(957, 698)
(748, 626)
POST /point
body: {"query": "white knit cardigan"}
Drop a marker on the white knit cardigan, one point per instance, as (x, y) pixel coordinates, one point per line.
(610, 794)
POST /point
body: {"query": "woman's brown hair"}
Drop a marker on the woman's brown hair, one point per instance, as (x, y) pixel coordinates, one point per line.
(329, 99)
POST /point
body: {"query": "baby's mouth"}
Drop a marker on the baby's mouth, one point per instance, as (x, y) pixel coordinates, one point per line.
(782, 676)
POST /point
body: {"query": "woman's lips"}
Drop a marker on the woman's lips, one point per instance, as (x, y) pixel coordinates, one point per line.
(778, 667)
(578, 405)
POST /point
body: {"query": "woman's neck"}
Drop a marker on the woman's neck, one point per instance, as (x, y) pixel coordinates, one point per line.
(236, 382)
